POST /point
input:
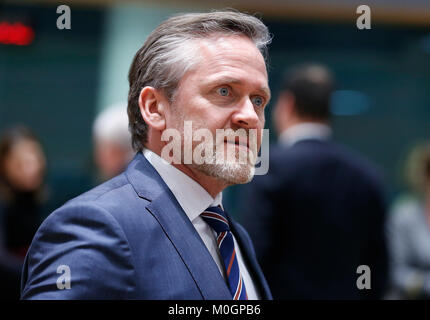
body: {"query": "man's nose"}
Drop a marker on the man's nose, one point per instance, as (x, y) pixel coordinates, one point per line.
(245, 115)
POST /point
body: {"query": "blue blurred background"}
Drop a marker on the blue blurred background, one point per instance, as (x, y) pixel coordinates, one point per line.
(58, 82)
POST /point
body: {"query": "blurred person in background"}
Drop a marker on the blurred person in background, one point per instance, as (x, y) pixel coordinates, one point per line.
(409, 231)
(22, 202)
(112, 141)
(319, 212)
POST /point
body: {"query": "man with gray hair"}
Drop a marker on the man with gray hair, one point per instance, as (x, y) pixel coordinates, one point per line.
(159, 230)
(112, 141)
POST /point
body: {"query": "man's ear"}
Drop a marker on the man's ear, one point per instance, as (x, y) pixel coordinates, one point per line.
(152, 105)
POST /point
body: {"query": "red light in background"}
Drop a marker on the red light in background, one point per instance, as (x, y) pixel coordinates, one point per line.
(16, 33)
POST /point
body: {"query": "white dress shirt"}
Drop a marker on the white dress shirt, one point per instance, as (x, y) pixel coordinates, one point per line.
(194, 199)
(303, 131)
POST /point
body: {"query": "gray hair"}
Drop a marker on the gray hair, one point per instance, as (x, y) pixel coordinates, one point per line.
(169, 52)
(111, 125)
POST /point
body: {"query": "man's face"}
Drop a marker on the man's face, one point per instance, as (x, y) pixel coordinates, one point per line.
(228, 89)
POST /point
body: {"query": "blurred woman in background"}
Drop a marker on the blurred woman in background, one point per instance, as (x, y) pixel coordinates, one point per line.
(409, 231)
(22, 202)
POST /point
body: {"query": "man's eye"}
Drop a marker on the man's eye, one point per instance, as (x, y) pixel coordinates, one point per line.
(258, 101)
(224, 91)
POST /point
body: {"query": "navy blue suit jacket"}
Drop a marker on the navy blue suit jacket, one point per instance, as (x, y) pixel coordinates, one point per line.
(319, 214)
(128, 239)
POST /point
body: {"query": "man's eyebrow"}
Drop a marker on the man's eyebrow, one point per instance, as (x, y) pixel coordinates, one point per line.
(230, 80)
(267, 91)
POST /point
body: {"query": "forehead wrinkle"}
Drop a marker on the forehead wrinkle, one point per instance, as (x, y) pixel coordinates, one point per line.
(220, 49)
(230, 62)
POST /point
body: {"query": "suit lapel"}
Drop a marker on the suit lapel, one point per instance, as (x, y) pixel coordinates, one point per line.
(178, 228)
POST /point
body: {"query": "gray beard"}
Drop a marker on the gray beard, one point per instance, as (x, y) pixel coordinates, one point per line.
(228, 172)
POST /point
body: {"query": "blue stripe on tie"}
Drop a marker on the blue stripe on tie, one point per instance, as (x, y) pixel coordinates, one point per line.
(216, 218)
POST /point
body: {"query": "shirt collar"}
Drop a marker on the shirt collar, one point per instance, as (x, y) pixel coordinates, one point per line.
(303, 131)
(192, 197)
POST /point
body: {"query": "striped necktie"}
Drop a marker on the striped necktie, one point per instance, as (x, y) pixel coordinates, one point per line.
(217, 219)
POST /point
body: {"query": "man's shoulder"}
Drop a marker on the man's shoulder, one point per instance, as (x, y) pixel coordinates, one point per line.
(114, 199)
(97, 200)
(312, 149)
(87, 230)
(361, 165)
(114, 188)
(314, 154)
(305, 150)
(118, 192)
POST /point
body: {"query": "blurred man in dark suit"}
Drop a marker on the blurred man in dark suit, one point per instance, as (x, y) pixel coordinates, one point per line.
(319, 213)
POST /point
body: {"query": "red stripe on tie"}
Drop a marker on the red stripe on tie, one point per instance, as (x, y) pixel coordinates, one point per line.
(221, 237)
(231, 262)
(239, 290)
(215, 216)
